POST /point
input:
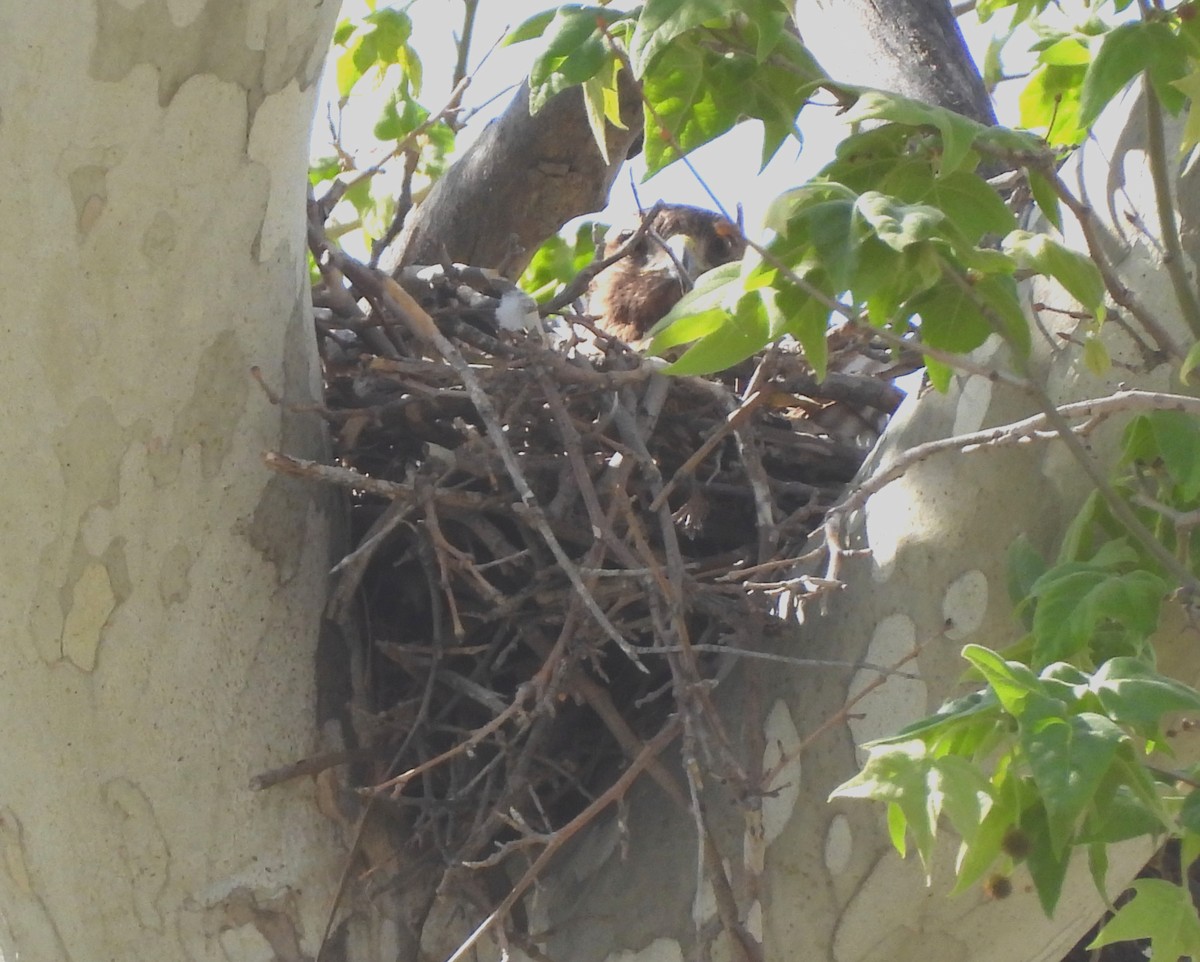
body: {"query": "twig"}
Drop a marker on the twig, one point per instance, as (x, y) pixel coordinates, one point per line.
(357, 481)
(783, 659)
(735, 419)
(397, 301)
(654, 747)
(409, 139)
(397, 782)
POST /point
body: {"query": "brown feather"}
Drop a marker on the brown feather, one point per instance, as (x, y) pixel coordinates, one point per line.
(637, 291)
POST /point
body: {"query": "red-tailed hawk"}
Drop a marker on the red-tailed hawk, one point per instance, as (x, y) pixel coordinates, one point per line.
(681, 243)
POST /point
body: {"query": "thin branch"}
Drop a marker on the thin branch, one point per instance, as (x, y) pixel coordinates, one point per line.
(1168, 225)
(1049, 425)
(1090, 226)
(615, 792)
(580, 282)
(451, 106)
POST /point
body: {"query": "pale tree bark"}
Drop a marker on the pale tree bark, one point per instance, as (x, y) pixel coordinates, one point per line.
(160, 592)
(821, 880)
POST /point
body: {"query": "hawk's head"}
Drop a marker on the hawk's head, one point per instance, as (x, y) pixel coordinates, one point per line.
(681, 244)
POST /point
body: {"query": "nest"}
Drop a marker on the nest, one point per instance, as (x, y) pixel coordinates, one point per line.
(558, 551)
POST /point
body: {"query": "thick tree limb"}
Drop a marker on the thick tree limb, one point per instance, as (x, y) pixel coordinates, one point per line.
(912, 47)
(524, 178)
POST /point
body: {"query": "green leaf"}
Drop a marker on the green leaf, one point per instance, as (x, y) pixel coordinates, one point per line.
(819, 230)
(699, 92)
(323, 169)
(532, 28)
(557, 261)
(1068, 51)
(897, 826)
(661, 21)
(864, 159)
(1075, 601)
(1025, 565)
(401, 116)
(1013, 682)
(1050, 102)
(885, 279)
(685, 328)
(940, 375)
(1127, 51)
(575, 51)
(1161, 912)
(701, 310)
(742, 335)
(1068, 758)
(794, 202)
(950, 318)
(1098, 865)
(1075, 272)
(978, 855)
(1047, 866)
(1045, 197)
(1134, 694)
(1095, 356)
(918, 788)
(1077, 542)
(963, 196)
(1192, 360)
(966, 795)
(602, 101)
(1178, 440)
(1139, 445)
(1126, 806)
(999, 295)
(390, 32)
(1189, 86)
(958, 132)
(898, 225)
(806, 319)
(1189, 848)
(347, 70)
(970, 726)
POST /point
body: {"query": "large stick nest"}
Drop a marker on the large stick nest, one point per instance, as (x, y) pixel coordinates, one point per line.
(556, 547)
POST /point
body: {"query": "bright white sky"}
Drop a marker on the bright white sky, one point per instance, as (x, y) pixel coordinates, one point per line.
(729, 165)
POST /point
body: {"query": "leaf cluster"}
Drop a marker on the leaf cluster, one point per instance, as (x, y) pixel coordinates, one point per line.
(1060, 747)
(899, 231)
(378, 52)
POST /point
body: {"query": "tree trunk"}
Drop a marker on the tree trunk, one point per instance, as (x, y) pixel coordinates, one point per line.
(912, 47)
(161, 591)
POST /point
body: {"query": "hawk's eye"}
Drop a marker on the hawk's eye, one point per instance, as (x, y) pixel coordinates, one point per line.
(726, 245)
(721, 250)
